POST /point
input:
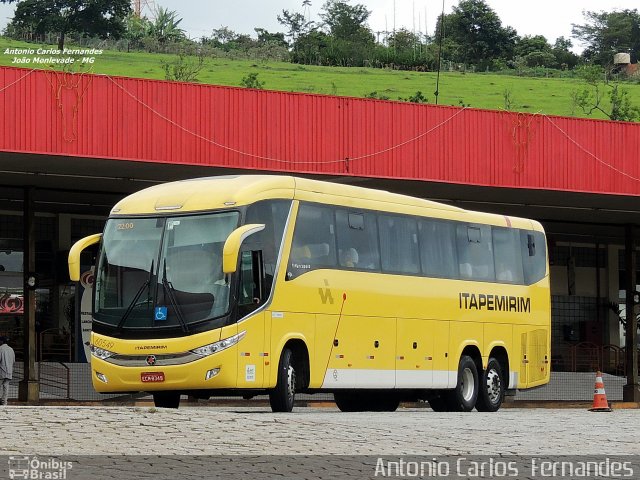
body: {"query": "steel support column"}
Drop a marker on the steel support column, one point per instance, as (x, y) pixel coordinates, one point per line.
(29, 389)
(631, 391)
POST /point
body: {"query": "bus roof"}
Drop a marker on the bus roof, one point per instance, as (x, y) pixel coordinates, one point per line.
(223, 192)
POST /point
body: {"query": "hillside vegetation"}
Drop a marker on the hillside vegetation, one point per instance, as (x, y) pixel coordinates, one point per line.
(478, 90)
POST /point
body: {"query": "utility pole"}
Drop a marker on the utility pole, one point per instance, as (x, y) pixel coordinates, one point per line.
(437, 92)
(139, 6)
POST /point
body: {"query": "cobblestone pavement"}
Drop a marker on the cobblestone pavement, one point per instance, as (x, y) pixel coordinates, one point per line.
(42, 430)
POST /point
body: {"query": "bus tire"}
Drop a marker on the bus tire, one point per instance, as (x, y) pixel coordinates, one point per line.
(366, 401)
(439, 403)
(348, 401)
(384, 402)
(463, 398)
(166, 399)
(282, 397)
(492, 388)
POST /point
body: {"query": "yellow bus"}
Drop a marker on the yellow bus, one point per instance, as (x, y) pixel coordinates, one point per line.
(254, 284)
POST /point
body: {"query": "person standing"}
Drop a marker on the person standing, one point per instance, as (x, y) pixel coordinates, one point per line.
(7, 359)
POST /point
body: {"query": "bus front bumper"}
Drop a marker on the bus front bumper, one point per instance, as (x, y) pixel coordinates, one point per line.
(217, 371)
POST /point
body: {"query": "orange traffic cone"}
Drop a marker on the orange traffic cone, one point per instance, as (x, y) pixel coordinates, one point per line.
(600, 403)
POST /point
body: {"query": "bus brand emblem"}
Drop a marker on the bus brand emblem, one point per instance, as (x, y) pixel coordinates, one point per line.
(151, 360)
(335, 374)
(325, 295)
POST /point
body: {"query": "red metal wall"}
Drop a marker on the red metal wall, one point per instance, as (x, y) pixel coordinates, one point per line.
(155, 121)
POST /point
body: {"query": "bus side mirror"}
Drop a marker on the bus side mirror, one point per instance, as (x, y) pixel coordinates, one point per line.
(76, 250)
(231, 248)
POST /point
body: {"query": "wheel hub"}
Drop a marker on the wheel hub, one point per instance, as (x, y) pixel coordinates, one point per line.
(494, 386)
(291, 382)
(467, 384)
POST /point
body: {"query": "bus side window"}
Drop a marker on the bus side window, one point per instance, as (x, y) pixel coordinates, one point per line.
(314, 243)
(438, 248)
(357, 240)
(508, 255)
(273, 214)
(398, 244)
(475, 252)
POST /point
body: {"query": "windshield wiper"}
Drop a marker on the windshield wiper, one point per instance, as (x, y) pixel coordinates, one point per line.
(168, 287)
(134, 302)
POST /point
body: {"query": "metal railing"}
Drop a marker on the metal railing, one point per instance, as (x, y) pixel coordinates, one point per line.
(55, 379)
(590, 357)
(54, 345)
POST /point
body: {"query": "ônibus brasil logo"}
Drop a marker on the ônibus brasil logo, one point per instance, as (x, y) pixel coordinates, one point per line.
(36, 469)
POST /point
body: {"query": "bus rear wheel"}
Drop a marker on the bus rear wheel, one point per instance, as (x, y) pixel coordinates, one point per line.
(166, 399)
(463, 398)
(283, 396)
(492, 388)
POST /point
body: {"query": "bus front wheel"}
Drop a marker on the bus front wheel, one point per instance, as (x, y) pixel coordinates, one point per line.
(492, 388)
(281, 398)
(166, 399)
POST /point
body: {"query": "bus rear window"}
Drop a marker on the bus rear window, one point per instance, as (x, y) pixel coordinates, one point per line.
(534, 255)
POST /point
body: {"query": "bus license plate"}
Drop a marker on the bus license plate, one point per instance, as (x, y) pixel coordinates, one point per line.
(147, 377)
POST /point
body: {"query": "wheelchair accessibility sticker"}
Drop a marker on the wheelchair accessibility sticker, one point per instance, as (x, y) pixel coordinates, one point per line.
(160, 314)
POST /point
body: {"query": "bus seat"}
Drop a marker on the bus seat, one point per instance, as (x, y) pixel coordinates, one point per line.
(349, 257)
(310, 252)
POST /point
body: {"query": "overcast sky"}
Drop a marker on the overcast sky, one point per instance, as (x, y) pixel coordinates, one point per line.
(551, 18)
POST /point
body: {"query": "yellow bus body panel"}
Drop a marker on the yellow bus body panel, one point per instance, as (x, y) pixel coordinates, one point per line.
(392, 331)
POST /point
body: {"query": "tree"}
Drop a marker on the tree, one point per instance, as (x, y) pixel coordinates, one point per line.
(592, 98)
(295, 23)
(345, 21)
(136, 29)
(350, 39)
(311, 48)
(405, 49)
(535, 51)
(607, 33)
(529, 44)
(165, 27)
(565, 58)
(265, 37)
(103, 18)
(183, 68)
(475, 34)
(228, 40)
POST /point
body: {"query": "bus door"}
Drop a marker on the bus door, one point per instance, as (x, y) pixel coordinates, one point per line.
(251, 349)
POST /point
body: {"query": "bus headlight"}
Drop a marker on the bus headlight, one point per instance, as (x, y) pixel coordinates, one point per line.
(219, 346)
(100, 353)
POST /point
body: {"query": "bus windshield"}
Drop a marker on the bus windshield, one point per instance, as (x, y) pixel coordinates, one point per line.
(163, 272)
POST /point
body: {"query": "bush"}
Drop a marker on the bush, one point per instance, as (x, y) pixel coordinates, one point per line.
(251, 81)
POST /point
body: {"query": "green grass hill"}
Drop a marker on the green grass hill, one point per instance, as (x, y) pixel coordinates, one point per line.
(478, 90)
